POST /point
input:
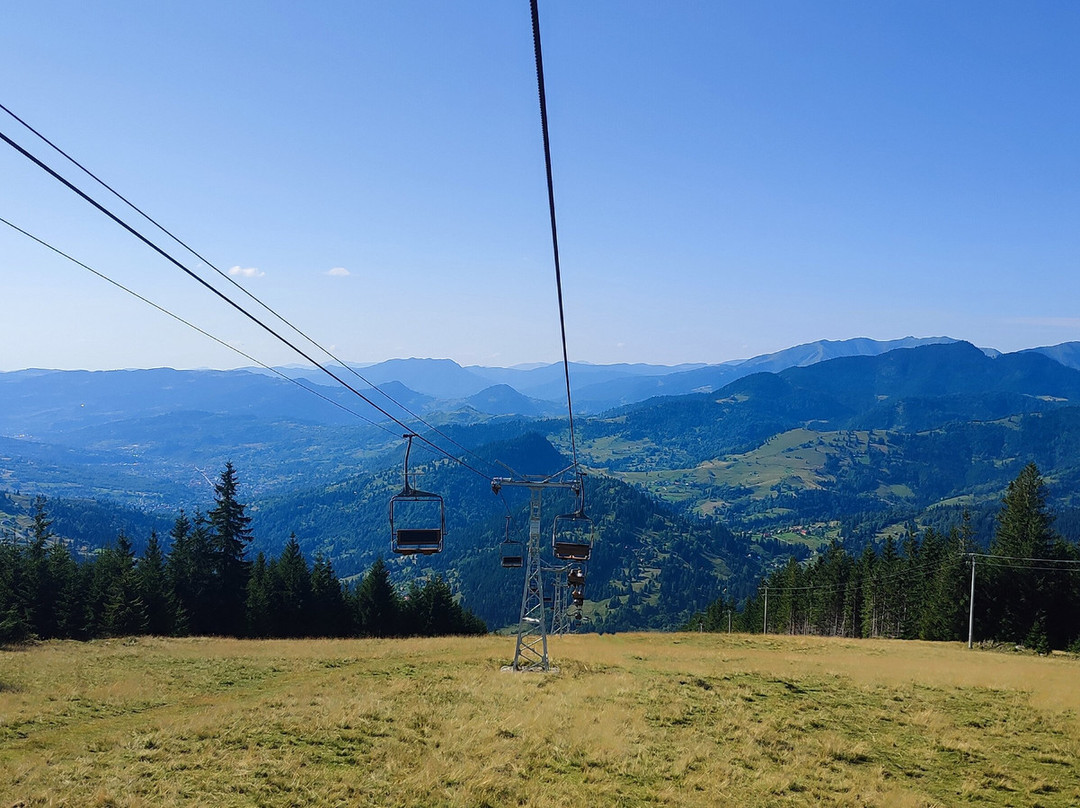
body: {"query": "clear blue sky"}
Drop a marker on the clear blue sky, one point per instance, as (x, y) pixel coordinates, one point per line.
(731, 178)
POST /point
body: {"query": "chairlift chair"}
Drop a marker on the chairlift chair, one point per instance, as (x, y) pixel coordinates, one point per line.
(572, 535)
(512, 554)
(420, 517)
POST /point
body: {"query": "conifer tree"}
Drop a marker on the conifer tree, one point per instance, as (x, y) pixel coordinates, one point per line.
(326, 615)
(190, 568)
(14, 621)
(377, 605)
(67, 595)
(151, 584)
(1023, 532)
(37, 591)
(259, 608)
(290, 591)
(231, 535)
(116, 606)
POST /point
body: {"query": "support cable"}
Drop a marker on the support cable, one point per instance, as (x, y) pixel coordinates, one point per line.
(238, 286)
(551, 209)
(171, 259)
(194, 327)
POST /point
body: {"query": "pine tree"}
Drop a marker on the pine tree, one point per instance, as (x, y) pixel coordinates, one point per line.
(1023, 531)
(38, 596)
(290, 592)
(377, 605)
(231, 534)
(68, 597)
(326, 616)
(14, 623)
(190, 569)
(116, 608)
(151, 583)
(259, 607)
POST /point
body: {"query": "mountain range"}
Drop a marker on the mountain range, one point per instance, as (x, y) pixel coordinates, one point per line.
(693, 492)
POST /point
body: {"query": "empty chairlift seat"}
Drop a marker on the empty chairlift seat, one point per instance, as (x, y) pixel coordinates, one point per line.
(512, 554)
(418, 540)
(417, 522)
(417, 518)
(572, 536)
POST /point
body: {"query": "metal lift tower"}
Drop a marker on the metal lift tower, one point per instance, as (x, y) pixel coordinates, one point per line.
(531, 653)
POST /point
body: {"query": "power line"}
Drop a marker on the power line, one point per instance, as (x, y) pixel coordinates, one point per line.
(551, 210)
(240, 287)
(899, 574)
(1021, 558)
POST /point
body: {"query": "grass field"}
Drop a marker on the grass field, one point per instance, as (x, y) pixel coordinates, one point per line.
(634, 719)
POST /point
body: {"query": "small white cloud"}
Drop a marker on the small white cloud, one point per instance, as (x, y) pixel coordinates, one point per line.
(247, 272)
(338, 272)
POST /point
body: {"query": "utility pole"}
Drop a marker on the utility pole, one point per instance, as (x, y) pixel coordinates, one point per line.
(765, 620)
(971, 605)
(729, 621)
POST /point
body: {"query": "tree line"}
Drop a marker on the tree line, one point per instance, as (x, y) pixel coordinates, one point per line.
(1027, 584)
(204, 584)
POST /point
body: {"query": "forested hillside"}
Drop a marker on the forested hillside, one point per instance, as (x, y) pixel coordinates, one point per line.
(692, 496)
(200, 581)
(1026, 584)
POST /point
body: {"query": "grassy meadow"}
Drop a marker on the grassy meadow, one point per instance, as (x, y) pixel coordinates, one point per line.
(629, 719)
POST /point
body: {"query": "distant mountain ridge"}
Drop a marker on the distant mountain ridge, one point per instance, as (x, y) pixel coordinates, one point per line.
(601, 387)
(861, 442)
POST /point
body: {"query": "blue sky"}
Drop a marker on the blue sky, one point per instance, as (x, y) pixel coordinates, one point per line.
(731, 178)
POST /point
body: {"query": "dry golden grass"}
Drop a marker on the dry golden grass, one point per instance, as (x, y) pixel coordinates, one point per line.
(636, 719)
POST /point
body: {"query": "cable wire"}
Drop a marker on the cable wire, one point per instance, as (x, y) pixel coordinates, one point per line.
(551, 209)
(194, 327)
(239, 286)
(171, 259)
(1021, 558)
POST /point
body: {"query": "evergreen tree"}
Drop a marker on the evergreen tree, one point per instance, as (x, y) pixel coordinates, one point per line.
(290, 592)
(14, 621)
(1022, 596)
(68, 597)
(190, 569)
(38, 596)
(152, 586)
(231, 535)
(377, 605)
(326, 615)
(115, 606)
(259, 607)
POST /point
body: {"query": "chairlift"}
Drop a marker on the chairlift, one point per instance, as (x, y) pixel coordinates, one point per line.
(576, 577)
(572, 535)
(512, 555)
(420, 517)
